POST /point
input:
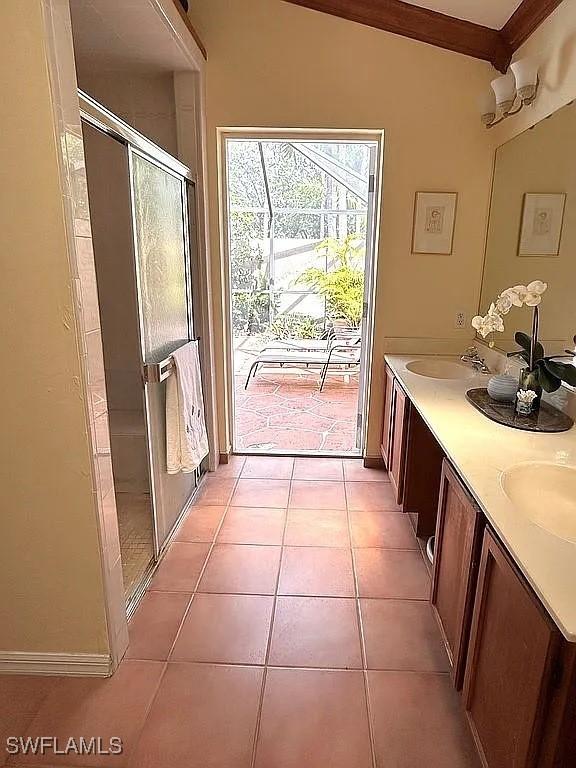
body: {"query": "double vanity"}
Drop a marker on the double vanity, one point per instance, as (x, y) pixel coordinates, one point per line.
(501, 504)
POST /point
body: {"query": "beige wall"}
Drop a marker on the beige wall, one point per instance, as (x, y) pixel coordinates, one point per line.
(144, 100)
(272, 64)
(51, 588)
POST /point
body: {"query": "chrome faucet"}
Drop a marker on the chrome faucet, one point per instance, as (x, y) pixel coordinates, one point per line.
(471, 356)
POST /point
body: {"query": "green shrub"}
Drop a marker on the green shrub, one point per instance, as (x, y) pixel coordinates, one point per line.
(342, 285)
(296, 325)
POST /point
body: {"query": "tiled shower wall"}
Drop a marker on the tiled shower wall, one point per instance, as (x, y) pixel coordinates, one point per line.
(87, 319)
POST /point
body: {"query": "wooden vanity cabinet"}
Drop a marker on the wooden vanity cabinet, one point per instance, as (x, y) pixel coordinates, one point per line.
(412, 456)
(398, 442)
(387, 418)
(457, 547)
(516, 695)
(422, 472)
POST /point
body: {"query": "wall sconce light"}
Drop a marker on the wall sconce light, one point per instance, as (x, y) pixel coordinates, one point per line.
(510, 93)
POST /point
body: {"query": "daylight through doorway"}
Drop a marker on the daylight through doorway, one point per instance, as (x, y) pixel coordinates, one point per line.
(300, 242)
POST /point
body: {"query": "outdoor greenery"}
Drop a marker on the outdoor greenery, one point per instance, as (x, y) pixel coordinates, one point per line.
(295, 183)
(296, 325)
(342, 284)
(250, 312)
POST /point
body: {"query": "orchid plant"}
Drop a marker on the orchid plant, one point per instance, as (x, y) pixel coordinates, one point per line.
(520, 295)
(542, 372)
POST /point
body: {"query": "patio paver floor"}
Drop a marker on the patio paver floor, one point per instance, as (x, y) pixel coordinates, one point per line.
(287, 412)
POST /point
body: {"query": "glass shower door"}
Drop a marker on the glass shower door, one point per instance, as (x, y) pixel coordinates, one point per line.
(160, 214)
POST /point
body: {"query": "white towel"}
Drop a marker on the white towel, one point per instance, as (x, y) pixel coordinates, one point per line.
(186, 437)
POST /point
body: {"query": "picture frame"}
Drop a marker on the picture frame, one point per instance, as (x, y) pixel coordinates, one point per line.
(434, 221)
(541, 224)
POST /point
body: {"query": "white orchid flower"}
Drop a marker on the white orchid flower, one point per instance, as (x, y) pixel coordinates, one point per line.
(504, 304)
(516, 294)
(481, 326)
(532, 299)
(497, 323)
(488, 324)
(537, 286)
(478, 323)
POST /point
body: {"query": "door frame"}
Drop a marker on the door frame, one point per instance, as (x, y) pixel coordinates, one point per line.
(344, 136)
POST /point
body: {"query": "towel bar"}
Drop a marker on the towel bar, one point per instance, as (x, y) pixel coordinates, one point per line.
(154, 373)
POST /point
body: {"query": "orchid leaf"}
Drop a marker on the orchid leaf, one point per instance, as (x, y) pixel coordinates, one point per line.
(525, 342)
(562, 371)
(548, 381)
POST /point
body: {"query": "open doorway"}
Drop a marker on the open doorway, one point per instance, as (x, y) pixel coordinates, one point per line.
(301, 231)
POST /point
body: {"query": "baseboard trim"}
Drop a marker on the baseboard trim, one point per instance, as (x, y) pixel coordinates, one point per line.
(77, 664)
(373, 462)
(224, 458)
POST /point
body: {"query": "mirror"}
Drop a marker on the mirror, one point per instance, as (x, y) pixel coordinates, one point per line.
(532, 230)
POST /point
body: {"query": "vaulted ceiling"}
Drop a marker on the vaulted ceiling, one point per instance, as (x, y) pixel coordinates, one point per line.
(486, 29)
(488, 13)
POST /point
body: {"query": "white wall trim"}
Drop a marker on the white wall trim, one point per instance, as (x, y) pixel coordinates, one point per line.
(81, 664)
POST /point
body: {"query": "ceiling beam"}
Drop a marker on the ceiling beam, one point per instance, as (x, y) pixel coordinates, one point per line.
(186, 20)
(526, 18)
(495, 46)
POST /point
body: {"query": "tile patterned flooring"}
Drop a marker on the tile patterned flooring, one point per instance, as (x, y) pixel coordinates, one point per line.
(136, 537)
(287, 412)
(287, 627)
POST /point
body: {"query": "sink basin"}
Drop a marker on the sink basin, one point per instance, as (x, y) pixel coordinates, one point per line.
(439, 368)
(545, 494)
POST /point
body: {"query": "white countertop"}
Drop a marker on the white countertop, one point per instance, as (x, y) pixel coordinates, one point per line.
(481, 450)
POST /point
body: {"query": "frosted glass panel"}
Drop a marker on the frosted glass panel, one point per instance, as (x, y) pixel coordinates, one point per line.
(159, 219)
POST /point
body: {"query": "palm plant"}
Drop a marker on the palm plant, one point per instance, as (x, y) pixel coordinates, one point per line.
(342, 284)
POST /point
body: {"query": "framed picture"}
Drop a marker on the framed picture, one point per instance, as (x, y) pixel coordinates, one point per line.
(541, 224)
(434, 217)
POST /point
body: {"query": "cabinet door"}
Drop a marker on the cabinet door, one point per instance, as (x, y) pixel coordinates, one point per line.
(456, 554)
(513, 648)
(388, 412)
(397, 459)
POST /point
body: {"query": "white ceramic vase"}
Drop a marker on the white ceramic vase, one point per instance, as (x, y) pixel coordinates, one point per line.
(503, 388)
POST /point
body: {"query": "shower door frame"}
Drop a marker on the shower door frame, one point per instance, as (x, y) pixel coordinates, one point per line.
(187, 186)
(99, 117)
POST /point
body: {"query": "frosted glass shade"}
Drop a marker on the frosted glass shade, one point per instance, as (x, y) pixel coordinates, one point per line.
(525, 73)
(504, 89)
(487, 103)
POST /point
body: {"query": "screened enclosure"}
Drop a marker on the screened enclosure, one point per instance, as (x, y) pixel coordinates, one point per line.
(298, 215)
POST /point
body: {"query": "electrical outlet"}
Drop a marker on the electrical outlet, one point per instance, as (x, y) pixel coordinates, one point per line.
(460, 320)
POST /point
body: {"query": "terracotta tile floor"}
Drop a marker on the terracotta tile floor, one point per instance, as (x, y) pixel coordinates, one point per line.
(289, 636)
(287, 412)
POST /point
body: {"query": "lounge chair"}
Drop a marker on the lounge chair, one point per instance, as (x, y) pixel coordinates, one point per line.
(330, 354)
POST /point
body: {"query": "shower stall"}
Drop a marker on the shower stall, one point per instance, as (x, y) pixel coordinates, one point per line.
(142, 214)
